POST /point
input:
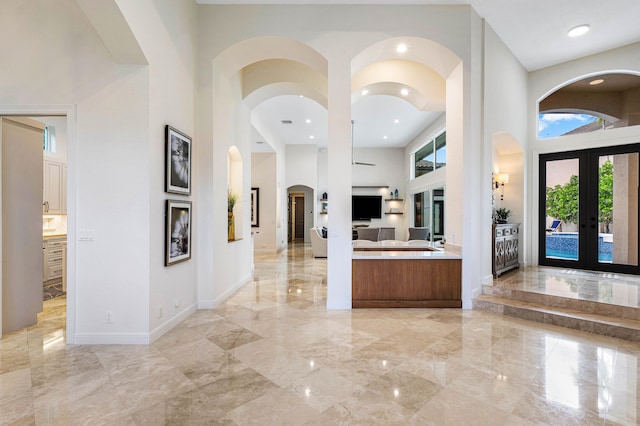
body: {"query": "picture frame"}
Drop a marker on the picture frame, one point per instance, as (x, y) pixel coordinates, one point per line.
(255, 207)
(178, 224)
(178, 156)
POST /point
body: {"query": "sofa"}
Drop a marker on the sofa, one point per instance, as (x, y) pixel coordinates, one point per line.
(318, 243)
(377, 234)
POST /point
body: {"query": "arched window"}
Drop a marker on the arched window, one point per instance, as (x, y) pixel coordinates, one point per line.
(595, 103)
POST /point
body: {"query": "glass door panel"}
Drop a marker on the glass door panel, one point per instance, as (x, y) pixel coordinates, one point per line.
(618, 209)
(589, 209)
(561, 207)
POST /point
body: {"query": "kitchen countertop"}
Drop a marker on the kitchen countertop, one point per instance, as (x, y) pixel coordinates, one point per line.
(450, 252)
(45, 236)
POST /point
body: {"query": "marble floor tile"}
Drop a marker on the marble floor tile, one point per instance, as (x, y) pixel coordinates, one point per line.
(238, 389)
(322, 388)
(276, 407)
(406, 389)
(273, 354)
(364, 407)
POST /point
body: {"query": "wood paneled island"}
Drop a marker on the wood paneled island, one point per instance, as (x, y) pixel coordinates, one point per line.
(389, 278)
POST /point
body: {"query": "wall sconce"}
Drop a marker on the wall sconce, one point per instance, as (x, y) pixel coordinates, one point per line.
(501, 179)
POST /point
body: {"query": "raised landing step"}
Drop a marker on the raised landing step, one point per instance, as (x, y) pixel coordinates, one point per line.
(593, 317)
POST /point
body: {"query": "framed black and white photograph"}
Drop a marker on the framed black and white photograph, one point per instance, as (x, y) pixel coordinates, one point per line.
(178, 162)
(255, 207)
(177, 232)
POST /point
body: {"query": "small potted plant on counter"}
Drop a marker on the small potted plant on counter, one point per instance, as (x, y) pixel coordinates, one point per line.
(501, 215)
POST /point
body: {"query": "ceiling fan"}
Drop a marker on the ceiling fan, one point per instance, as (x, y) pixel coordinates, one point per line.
(354, 162)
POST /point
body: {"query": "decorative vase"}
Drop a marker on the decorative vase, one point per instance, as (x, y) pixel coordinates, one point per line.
(231, 227)
(396, 193)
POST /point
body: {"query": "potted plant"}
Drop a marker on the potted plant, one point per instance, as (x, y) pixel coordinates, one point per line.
(231, 202)
(501, 215)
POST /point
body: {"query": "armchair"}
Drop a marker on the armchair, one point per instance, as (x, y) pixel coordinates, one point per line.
(318, 244)
(419, 233)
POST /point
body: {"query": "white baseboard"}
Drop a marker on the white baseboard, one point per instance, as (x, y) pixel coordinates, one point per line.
(133, 338)
(172, 322)
(265, 251)
(339, 304)
(476, 292)
(111, 339)
(206, 304)
(212, 304)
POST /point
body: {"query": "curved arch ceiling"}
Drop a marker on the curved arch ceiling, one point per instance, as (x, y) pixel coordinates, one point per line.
(384, 117)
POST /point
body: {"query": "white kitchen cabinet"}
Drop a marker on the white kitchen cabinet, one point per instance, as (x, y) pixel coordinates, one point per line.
(54, 200)
(53, 257)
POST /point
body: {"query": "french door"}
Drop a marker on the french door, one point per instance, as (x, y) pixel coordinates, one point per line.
(589, 209)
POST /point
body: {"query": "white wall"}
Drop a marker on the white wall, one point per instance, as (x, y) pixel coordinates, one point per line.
(302, 165)
(107, 96)
(115, 154)
(339, 37)
(166, 31)
(263, 176)
(506, 115)
(389, 169)
(302, 170)
(544, 81)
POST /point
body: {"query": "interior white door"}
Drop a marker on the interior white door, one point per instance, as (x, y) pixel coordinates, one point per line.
(21, 141)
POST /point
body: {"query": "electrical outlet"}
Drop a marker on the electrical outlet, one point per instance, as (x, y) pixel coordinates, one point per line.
(160, 312)
(109, 317)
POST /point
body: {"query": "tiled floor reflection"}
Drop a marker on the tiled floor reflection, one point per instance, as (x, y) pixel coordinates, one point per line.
(274, 355)
(603, 287)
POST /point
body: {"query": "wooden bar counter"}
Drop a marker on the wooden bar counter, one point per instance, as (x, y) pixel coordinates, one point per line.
(401, 278)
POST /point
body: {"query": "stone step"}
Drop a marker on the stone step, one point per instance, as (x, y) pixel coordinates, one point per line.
(571, 303)
(598, 323)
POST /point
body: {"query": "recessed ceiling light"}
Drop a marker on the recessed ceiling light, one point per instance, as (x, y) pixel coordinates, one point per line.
(384, 137)
(596, 82)
(401, 48)
(404, 92)
(308, 120)
(302, 96)
(311, 137)
(579, 30)
(396, 121)
(364, 92)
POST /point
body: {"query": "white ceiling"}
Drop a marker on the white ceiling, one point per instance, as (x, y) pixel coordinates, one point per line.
(534, 30)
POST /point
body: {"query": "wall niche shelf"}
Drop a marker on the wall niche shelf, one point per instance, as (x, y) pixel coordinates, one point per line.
(394, 210)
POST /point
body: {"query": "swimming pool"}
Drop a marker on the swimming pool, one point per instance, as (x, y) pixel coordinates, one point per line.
(564, 245)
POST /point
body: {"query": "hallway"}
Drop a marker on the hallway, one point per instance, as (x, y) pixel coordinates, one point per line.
(273, 354)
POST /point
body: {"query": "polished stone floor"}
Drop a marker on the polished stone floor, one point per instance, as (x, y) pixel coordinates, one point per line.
(602, 287)
(274, 355)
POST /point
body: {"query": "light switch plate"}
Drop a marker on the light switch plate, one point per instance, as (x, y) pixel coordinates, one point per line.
(87, 235)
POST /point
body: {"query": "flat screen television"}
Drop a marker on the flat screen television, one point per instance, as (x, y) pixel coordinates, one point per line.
(366, 207)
